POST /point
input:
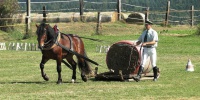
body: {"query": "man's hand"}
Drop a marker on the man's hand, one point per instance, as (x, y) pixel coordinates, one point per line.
(144, 44)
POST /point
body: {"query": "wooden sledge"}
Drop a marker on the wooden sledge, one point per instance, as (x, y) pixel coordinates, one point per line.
(112, 76)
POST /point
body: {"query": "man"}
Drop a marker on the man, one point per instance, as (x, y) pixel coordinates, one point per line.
(148, 41)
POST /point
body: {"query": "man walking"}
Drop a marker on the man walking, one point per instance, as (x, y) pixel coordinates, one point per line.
(148, 41)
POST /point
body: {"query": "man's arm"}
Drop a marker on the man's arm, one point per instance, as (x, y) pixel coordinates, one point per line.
(149, 43)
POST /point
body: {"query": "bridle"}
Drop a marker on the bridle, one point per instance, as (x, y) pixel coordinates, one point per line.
(47, 43)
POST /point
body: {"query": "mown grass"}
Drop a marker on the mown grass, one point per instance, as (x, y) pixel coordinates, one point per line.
(20, 73)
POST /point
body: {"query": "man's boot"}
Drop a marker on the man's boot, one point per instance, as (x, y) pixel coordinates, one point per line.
(155, 73)
(140, 71)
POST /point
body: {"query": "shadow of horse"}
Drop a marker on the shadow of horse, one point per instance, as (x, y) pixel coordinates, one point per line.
(37, 82)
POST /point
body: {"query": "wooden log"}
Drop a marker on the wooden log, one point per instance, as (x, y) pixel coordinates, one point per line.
(124, 56)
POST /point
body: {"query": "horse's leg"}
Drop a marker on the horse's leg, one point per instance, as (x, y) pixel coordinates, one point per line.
(43, 61)
(59, 70)
(81, 64)
(73, 64)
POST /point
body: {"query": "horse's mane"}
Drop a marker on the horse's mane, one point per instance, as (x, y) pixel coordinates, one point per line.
(50, 32)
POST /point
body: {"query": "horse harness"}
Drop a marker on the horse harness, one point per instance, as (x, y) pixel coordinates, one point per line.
(70, 50)
(71, 41)
(58, 44)
(54, 44)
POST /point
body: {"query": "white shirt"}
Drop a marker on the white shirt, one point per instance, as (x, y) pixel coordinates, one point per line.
(151, 35)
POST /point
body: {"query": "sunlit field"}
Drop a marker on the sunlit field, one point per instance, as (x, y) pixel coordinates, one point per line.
(20, 76)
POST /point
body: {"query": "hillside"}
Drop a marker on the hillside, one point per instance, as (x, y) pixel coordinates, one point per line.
(107, 29)
(4, 36)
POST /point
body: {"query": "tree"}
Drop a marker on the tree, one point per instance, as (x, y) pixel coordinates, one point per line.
(7, 9)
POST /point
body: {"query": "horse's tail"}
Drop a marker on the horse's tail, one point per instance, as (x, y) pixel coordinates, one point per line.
(84, 66)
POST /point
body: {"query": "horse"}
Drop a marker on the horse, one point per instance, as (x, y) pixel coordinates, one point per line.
(49, 43)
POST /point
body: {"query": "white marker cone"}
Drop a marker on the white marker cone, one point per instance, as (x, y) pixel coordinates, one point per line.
(189, 66)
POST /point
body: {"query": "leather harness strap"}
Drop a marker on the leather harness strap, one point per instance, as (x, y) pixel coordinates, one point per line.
(55, 44)
(71, 41)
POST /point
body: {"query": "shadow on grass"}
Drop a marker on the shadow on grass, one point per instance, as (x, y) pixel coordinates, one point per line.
(107, 80)
(190, 35)
(37, 82)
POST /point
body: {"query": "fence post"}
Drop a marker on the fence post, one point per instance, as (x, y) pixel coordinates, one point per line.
(17, 46)
(119, 7)
(2, 46)
(44, 14)
(81, 9)
(98, 24)
(25, 47)
(192, 16)
(28, 18)
(167, 13)
(147, 14)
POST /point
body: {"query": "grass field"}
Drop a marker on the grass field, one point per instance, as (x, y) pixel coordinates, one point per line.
(20, 77)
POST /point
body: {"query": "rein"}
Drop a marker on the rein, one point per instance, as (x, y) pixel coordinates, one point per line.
(55, 44)
(47, 42)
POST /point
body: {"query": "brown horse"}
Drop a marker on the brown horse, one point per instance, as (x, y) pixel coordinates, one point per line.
(48, 41)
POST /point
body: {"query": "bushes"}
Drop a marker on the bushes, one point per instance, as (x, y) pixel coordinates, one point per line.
(198, 30)
(7, 9)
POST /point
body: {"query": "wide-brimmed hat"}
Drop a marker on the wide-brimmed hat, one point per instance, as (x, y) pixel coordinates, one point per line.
(148, 22)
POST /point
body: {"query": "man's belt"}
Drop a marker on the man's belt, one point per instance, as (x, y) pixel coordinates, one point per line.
(148, 46)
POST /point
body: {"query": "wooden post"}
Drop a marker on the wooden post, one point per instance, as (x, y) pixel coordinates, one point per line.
(96, 71)
(44, 14)
(28, 13)
(81, 9)
(192, 16)
(146, 14)
(28, 18)
(167, 13)
(98, 24)
(121, 75)
(119, 7)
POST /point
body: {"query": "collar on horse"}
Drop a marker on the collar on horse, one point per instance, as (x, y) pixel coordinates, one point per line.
(54, 44)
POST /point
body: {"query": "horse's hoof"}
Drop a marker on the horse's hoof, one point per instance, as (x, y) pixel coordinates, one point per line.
(59, 81)
(73, 80)
(45, 77)
(84, 78)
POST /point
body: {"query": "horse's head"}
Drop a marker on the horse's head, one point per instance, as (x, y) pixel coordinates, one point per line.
(45, 34)
(41, 35)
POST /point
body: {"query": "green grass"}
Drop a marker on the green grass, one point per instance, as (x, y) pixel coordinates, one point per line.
(20, 73)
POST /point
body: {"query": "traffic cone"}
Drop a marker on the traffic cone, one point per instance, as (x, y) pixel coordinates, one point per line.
(189, 66)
